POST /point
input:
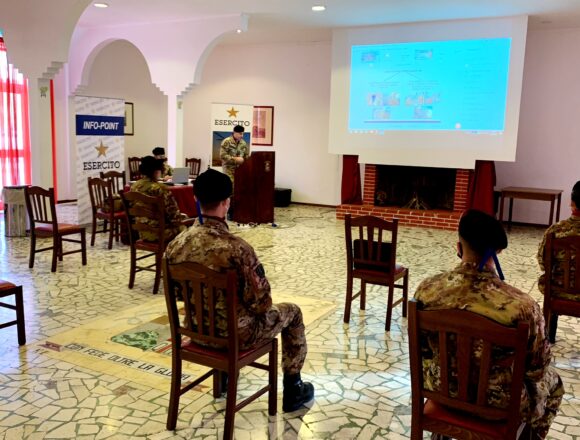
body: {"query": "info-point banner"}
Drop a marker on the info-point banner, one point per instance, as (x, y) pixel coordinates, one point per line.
(100, 144)
(224, 117)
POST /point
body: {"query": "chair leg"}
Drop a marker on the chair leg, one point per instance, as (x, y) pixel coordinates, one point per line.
(60, 249)
(348, 301)
(405, 293)
(273, 379)
(217, 383)
(416, 431)
(32, 250)
(158, 258)
(55, 251)
(389, 307)
(94, 231)
(84, 247)
(552, 327)
(363, 295)
(174, 393)
(111, 233)
(231, 404)
(133, 267)
(20, 316)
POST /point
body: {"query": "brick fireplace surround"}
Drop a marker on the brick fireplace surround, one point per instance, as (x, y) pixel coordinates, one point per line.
(438, 219)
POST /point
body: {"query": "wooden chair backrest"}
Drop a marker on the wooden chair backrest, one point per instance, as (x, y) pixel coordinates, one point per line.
(467, 328)
(200, 288)
(194, 165)
(566, 252)
(139, 205)
(101, 194)
(134, 163)
(41, 206)
(117, 178)
(370, 248)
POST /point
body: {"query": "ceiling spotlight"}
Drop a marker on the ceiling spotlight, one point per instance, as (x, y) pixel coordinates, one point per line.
(239, 31)
(319, 8)
(100, 5)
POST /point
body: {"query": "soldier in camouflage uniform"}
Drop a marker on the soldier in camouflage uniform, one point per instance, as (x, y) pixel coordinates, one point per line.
(150, 170)
(234, 151)
(475, 286)
(167, 171)
(212, 245)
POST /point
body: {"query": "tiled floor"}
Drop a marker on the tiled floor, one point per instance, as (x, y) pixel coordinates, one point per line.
(359, 371)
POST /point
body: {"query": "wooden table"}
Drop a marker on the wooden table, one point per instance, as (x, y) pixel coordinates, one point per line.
(515, 192)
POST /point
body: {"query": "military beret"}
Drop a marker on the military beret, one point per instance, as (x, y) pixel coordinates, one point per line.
(149, 165)
(212, 186)
(482, 232)
(239, 129)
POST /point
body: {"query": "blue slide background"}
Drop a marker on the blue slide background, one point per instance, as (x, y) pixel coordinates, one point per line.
(438, 85)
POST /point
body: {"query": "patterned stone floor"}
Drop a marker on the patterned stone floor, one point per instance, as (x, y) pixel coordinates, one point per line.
(359, 371)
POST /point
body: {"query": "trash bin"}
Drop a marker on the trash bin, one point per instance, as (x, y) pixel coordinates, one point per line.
(15, 216)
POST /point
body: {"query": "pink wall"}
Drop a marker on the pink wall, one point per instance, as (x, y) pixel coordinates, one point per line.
(548, 154)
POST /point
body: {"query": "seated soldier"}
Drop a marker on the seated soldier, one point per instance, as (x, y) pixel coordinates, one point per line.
(475, 286)
(210, 243)
(150, 170)
(565, 228)
(167, 171)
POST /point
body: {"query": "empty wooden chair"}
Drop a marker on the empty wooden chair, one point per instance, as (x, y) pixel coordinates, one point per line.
(372, 259)
(562, 291)
(118, 180)
(200, 288)
(194, 166)
(134, 173)
(103, 208)
(41, 209)
(139, 205)
(8, 289)
(460, 409)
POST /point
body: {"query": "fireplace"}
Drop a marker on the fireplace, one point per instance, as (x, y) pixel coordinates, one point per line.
(441, 193)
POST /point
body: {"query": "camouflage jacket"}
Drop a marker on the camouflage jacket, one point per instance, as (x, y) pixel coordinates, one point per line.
(167, 170)
(173, 218)
(212, 245)
(466, 288)
(229, 150)
(565, 228)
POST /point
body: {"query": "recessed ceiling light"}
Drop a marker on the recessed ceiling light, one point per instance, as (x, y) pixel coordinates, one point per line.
(100, 5)
(319, 8)
(239, 31)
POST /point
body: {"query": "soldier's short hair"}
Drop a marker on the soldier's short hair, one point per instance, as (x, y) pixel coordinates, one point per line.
(158, 151)
(482, 232)
(149, 165)
(576, 194)
(211, 187)
(239, 129)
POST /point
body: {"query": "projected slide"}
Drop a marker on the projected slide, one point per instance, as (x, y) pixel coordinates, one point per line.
(438, 85)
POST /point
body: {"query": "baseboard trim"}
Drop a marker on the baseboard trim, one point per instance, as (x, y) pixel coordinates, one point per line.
(66, 201)
(314, 204)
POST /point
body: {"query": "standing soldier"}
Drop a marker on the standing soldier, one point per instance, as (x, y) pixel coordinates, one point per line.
(167, 172)
(234, 151)
(212, 245)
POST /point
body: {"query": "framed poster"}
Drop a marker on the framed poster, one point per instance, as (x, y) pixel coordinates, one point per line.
(129, 121)
(263, 126)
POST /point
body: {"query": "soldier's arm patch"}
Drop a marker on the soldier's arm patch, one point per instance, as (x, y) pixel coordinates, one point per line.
(260, 271)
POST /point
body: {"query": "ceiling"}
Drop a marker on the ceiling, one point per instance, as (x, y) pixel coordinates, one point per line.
(293, 20)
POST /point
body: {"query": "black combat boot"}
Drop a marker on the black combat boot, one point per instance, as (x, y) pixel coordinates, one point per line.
(296, 392)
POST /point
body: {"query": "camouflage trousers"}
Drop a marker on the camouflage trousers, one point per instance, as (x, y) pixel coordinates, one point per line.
(539, 415)
(285, 318)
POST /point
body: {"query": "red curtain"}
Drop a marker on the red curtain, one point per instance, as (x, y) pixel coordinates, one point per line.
(14, 124)
(351, 191)
(481, 187)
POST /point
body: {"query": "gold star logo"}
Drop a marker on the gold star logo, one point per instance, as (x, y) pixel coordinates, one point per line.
(102, 150)
(233, 113)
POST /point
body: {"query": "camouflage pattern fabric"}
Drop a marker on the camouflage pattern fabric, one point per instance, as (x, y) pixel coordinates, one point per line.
(212, 245)
(173, 217)
(565, 228)
(167, 170)
(228, 151)
(466, 288)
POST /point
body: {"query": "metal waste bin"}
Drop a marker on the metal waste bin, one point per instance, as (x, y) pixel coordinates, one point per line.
(15, 215)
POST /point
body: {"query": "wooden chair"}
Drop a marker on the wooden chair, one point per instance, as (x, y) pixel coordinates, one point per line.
(566, 251)
(140, 205)
(117, 178)
(134, 173)
(373, 260)
(103, 208)
(200, 288)
(467, 414)
(41, 209)
(194, 166)
(8, 289)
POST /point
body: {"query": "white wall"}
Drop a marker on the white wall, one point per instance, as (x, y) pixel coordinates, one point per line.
(548, 154)
(295, 79)
(120, 71)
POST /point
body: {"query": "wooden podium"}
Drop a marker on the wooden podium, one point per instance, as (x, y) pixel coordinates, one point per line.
(254, 189)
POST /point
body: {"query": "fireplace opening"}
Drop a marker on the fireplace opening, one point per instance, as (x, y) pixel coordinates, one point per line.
(415, 187)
